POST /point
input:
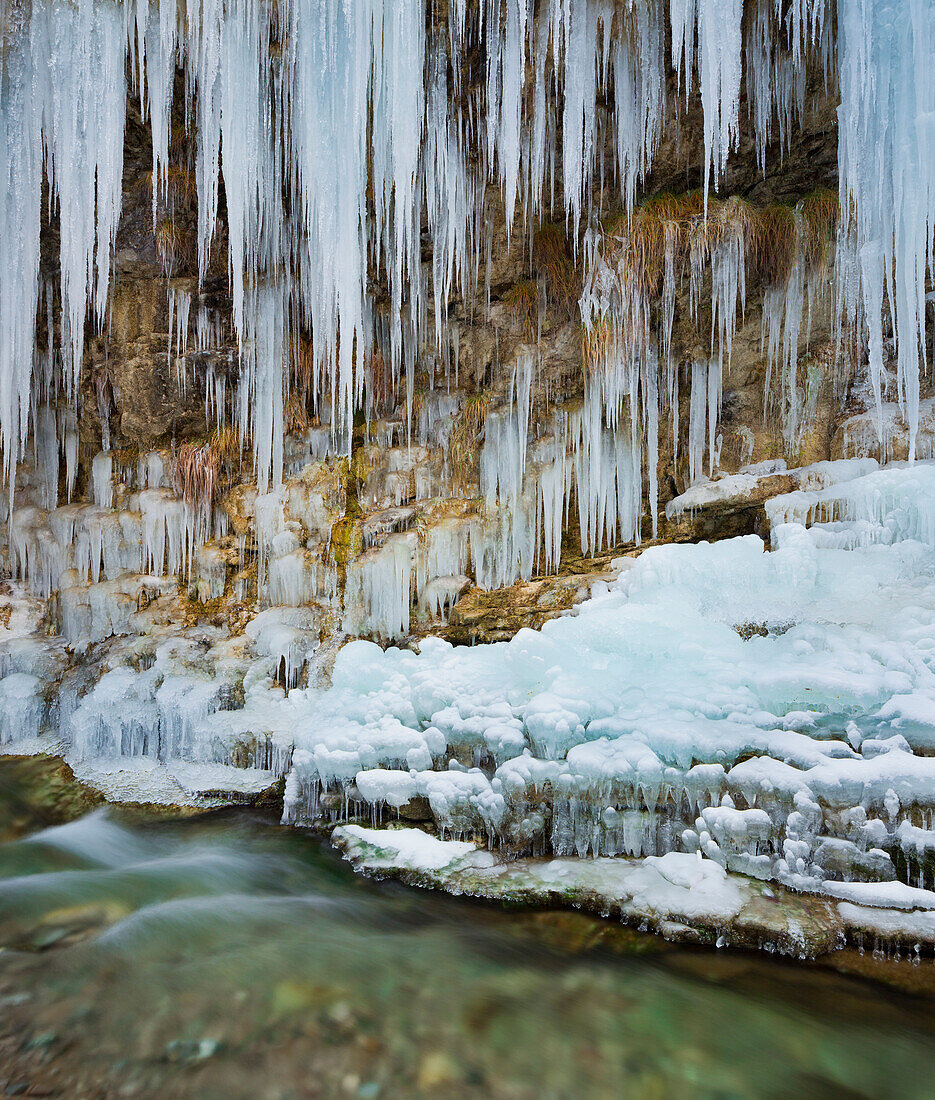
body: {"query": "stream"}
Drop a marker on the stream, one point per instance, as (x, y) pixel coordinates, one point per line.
(225, 957)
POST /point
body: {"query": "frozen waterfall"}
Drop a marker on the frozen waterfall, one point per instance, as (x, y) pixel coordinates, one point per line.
(337, 132)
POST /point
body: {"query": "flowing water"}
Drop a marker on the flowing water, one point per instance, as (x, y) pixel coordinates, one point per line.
(224, 957)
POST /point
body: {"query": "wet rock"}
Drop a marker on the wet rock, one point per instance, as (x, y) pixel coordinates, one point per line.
(715, 517)
(39, 791)
(481, 616)
(417, 810)
(792, 924)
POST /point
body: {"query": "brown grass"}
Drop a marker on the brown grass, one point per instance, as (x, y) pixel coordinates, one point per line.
(523, 300)
(181, 184)
(295, 414)
(379, 382)
(636, 248)
(175, 244)
(469, 423)
(303, 365)
(732, 218)
(180, 139)
(225, 442)
(775, 238)
(418, 402)
(204, 471)
(168, 243)
(197, 473)
(597, 340)
(820, 212)
(661, 219)
(770, 234)
(638, 243)
(550, 258)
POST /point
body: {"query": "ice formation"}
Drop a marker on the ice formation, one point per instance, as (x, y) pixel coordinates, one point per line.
(771, 707)
(774, 711)
(344, 102)
(355, 129)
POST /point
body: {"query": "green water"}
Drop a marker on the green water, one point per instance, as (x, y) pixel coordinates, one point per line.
(224, 957)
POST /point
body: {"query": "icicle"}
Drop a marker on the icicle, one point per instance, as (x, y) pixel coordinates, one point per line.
(260, 395)
(506, 74)
(708, 33)
(102, 479)
(885, 133)
(696, 420)
(640, 95)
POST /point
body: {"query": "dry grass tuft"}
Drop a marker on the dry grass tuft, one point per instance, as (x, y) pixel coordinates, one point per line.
(551, 259)
(734, 218)
(597, 340)
(771, 235)
(203, 472)
(175, 244)
(523, 300)
(637, 245)
(302, 367)
(468, 425)
(421, 388)
(673, 235)
(197, 474)
(295, 414)
(181, 186)
(775, 239)
(820, 213)
(169, 244)
(226, 443)
(379, 381)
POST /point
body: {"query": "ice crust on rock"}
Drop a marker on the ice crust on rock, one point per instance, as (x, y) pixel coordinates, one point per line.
(682, 897)
(411, 848)
(652, 721)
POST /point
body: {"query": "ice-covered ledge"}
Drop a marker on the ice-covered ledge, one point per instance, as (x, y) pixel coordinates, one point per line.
(683, 897)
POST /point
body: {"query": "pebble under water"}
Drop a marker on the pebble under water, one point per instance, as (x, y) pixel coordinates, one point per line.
(223, 957)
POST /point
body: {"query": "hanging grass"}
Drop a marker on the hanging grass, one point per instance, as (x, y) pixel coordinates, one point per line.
(468, 425)
(677, 235)
(181, 185)
(379, 381)
(168, 244)
(550, 258)
(775, 240)
(302, 367)
(197, 474)
(523, 300)
(820, 214)
(295, 414)
(226, 443)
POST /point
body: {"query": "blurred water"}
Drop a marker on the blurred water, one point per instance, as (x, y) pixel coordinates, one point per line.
(225, 957)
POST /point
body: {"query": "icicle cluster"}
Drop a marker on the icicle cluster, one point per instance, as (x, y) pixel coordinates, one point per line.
(342, 136)
(887, 173)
